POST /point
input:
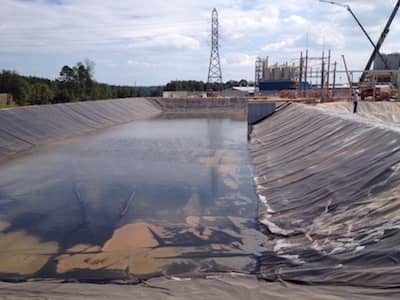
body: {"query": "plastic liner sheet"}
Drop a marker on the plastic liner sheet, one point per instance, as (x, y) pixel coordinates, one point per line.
(330, 194)
(374, 111)
(22, 128)
(215, 287)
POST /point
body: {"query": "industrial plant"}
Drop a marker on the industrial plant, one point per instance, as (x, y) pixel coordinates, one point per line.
(314, 78)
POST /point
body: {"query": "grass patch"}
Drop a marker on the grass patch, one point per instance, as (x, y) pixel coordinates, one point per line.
(5, 106)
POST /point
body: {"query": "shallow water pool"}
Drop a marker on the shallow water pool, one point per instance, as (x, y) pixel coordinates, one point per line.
(172, 195)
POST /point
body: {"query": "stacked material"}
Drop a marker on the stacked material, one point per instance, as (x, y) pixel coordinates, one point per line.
(374, 111)
(330, 188)
(22, 128)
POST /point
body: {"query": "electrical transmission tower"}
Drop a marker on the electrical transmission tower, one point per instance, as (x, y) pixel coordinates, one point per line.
(214, 71)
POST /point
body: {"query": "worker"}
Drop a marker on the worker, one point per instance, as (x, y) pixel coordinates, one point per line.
(355, 102)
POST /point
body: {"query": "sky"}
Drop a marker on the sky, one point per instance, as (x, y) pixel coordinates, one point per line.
(154, 41)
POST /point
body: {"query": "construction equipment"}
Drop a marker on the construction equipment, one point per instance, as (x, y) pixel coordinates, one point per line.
(348, 8)
(365, 87)
(380, 42)
(379, 93)
(371, 89)
(347, 74)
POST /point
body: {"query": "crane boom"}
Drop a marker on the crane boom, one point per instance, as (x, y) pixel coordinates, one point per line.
(368, 37)
(382, 38)
(335, 3)
(348, 8)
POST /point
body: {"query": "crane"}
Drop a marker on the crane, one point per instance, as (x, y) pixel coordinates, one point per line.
(376, 49)
(382, 38)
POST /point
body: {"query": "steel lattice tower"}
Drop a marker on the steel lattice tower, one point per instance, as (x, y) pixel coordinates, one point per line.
(214, 71)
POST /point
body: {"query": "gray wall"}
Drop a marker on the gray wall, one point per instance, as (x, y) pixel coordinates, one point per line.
(393, 61)
(200, 105)
(259, 111)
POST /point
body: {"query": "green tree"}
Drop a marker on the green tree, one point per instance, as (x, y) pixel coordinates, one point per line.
(41, 94)
(76, 83)
(17, 86)
(243, 82)
(67, 74)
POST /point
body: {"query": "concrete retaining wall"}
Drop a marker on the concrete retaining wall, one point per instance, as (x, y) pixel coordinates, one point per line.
(259, 111)
(22, 128)
(199, 105)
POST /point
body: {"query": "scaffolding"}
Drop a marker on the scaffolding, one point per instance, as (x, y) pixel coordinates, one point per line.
(314, 77)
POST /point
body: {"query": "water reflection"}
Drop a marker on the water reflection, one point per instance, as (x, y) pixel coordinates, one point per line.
(166, 196)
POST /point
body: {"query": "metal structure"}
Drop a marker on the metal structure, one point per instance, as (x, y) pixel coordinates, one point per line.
(214, 71)
(382, 38)
(392, 60)
(348, 76)
(311, 73)
(275, 72)
(259, 71)
(315, 74)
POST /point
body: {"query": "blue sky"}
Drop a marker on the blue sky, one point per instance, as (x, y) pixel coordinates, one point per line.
(154, 41)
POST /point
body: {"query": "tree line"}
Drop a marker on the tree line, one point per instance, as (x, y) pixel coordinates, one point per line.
(74, 84)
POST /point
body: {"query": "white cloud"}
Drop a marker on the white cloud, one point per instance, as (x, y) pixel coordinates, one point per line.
(284, 44)
(174, 35)
(238, 59)
(238, 24)
(168, 41)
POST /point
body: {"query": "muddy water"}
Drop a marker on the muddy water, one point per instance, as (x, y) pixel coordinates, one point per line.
(172, 195)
